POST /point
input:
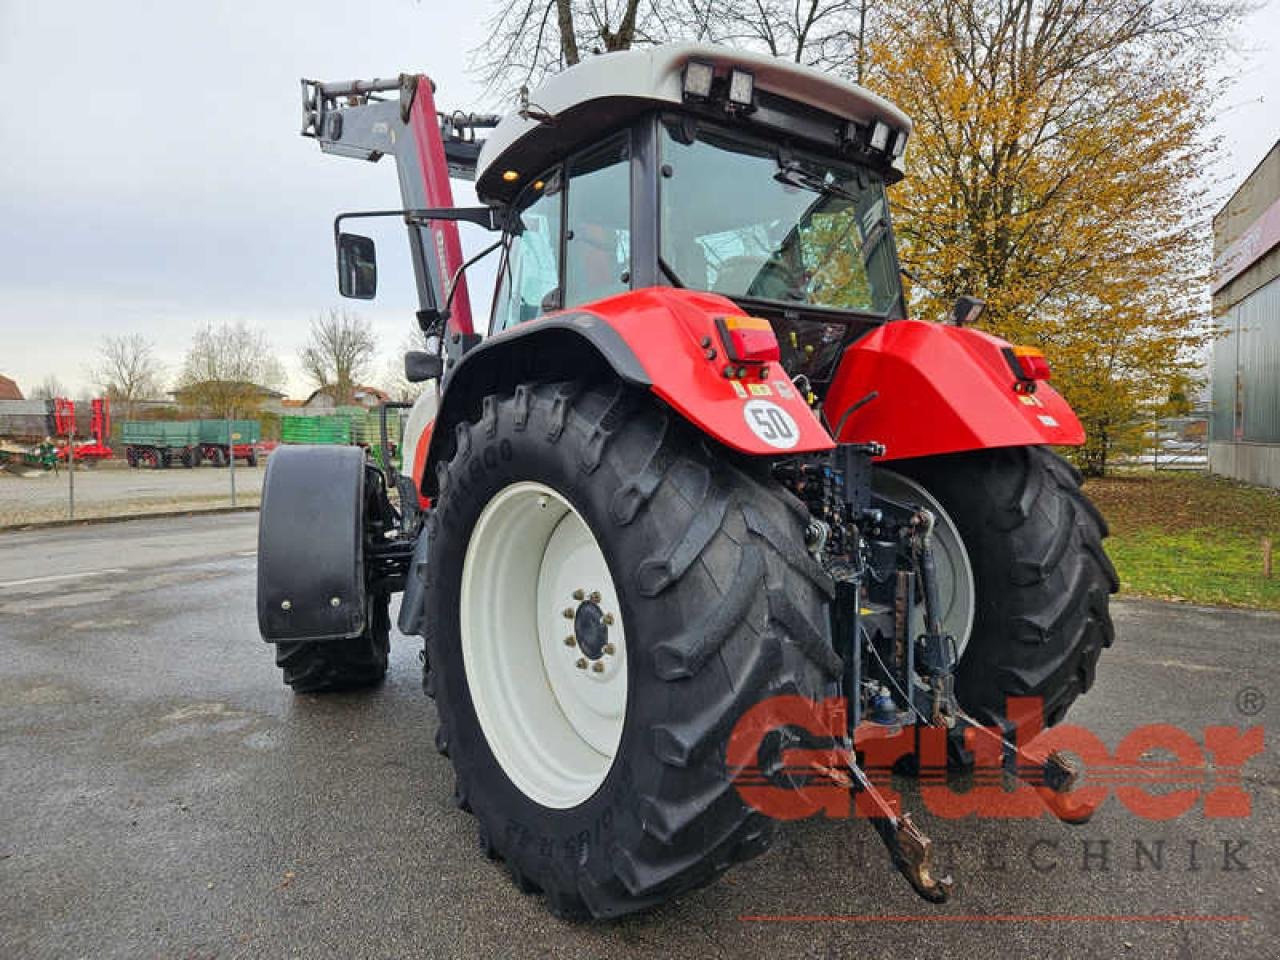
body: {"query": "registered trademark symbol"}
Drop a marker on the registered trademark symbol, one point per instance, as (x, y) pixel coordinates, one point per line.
(1250, 701)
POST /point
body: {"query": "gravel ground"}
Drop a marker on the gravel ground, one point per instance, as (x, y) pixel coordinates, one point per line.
(105, 492)
(162, 795)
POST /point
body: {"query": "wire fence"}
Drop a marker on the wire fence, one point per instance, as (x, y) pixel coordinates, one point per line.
(1174, 443)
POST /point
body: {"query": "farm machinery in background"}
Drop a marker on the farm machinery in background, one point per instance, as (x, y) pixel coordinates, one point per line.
(36, 433)
(188, 443)
(701, 473)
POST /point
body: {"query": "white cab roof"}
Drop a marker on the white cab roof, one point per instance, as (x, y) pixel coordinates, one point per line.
(656, 74)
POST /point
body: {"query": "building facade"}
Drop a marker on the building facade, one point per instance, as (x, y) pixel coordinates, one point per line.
(1244, 433)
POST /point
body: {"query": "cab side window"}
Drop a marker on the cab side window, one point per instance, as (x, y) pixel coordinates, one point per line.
(529, 283)
(598, 239)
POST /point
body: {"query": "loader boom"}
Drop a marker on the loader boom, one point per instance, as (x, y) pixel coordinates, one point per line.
(357, 119)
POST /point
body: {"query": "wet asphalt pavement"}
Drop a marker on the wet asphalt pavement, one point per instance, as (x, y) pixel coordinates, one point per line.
(163, 795)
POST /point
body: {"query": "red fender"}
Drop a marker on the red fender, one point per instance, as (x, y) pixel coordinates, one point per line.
(673, 337)
(942, 389)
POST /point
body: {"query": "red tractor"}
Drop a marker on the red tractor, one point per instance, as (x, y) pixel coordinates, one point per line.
(700, 461)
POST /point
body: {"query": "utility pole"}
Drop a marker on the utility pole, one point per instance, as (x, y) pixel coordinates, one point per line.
(231, 456)
(71, 469)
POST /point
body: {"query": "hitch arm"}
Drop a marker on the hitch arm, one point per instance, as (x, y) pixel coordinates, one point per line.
(910, 849)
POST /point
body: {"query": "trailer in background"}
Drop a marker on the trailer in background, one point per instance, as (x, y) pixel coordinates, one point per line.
(244, 442)
(161, 443)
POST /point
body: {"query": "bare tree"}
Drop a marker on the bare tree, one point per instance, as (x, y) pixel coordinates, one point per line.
(339, 352)
(48, 388)
(532, 39)
(393, 382)
(226, 369)
(829, 34)
(127, 370)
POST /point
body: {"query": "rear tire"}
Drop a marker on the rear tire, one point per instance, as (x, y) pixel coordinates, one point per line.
(719, 604)
(1042, 578)
(326, 666)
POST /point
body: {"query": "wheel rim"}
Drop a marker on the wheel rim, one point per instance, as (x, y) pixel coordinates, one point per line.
(543, 645)
(957, 589)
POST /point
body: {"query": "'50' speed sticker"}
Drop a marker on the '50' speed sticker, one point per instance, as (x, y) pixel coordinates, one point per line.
(771, 423)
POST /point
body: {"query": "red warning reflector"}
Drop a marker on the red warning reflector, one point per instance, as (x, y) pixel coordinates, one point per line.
(749, 339)
(1027, 363)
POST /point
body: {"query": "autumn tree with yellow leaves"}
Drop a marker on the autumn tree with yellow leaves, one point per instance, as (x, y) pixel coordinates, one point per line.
(1056, 170)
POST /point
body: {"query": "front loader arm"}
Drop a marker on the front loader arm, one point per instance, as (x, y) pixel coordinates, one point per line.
(357, 119)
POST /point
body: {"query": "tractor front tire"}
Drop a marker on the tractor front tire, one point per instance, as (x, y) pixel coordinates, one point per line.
(1042, 580)
(326, 666)
(608, 593)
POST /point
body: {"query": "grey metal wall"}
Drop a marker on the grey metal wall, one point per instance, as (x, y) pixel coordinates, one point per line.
(1246, 370)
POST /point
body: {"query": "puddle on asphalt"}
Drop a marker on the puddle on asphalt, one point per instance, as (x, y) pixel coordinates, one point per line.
(34, 693)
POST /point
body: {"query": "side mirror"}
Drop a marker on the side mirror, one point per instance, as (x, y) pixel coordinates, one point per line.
(967, 310)
(420, 366)
(357, 267)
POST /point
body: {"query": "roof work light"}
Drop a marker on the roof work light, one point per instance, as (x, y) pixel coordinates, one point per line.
(742, 87)
(698, 75)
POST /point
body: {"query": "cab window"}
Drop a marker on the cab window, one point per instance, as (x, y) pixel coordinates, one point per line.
(529, 281)
(598, 238)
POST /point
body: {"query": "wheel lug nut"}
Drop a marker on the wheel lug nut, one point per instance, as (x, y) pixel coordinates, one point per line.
(579, 594)
(610, 649)
(570, 642)
(607, 619)
(582, 663)
(598, 667)
(568, 613)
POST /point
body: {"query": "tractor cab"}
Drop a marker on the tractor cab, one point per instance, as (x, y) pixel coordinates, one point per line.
(707, 169)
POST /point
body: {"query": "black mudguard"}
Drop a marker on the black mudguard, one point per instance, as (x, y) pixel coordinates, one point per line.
(415, 588)
(310, 544)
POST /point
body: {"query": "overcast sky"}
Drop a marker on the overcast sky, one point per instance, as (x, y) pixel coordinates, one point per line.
(152, 177)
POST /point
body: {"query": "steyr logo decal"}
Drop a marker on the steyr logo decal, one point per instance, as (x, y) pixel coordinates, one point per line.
(771, 423)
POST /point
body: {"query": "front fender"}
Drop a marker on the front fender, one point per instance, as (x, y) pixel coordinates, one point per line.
(311, 544)
(942, 389)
